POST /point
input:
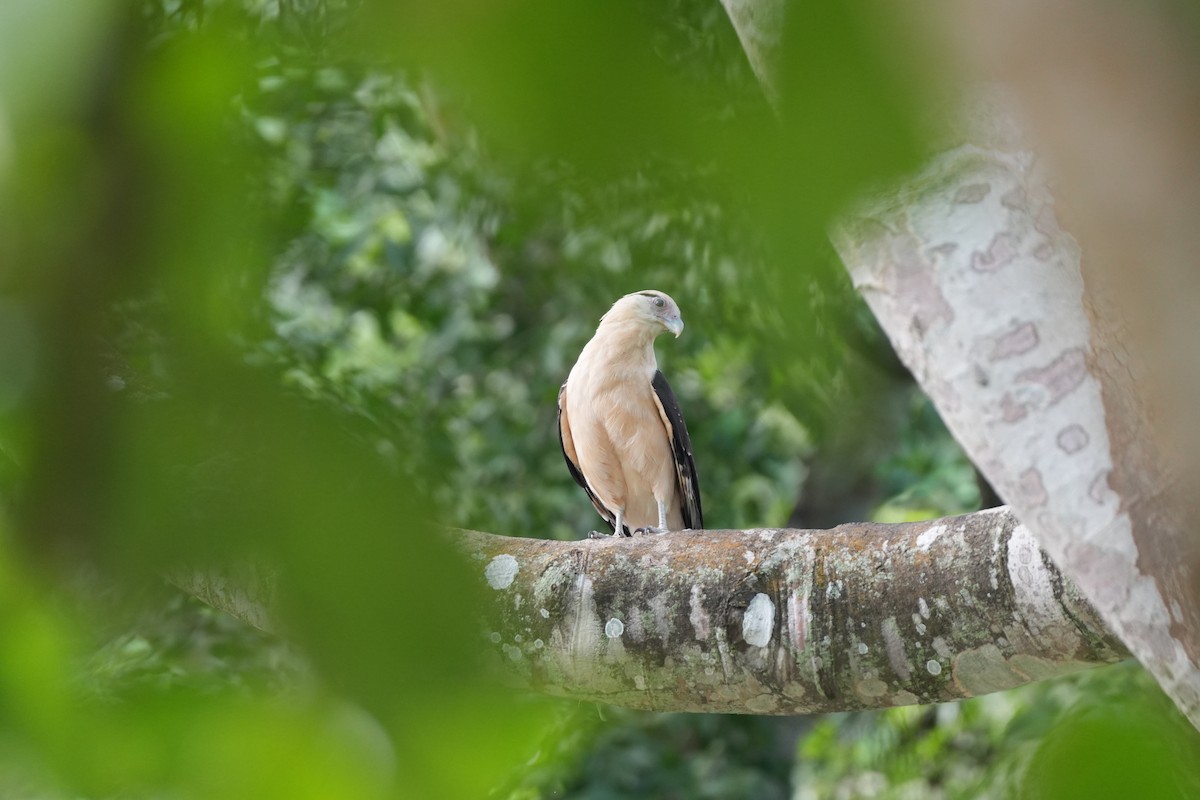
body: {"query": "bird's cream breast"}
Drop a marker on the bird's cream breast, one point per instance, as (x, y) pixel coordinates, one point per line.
(623, 447)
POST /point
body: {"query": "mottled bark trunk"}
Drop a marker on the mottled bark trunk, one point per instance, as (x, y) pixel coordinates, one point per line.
(1031, 366)
(787, 621)
(982, 295)
(1110, 96)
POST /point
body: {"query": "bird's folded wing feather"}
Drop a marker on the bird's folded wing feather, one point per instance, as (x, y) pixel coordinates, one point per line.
(687, 483)
(568, 450)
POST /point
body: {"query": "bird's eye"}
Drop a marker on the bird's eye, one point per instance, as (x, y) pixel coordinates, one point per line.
(658, 301)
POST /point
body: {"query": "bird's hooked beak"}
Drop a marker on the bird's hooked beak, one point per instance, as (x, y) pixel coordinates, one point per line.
(674, 325)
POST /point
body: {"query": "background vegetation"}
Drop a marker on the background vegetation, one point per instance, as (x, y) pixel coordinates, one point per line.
(297, 281)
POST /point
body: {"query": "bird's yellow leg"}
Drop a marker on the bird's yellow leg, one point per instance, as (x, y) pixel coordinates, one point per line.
(662, 521)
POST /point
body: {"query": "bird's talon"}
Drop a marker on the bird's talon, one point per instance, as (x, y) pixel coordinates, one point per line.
(597, 535)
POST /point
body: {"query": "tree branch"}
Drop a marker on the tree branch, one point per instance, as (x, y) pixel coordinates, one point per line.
(765, 621)
(782, 621)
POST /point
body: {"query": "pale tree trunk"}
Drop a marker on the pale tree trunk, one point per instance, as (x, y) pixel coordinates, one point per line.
(759, 26)
(982, 297)
(1032, 367)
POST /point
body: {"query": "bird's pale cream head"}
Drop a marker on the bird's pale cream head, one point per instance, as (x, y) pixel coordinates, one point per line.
(656, 310)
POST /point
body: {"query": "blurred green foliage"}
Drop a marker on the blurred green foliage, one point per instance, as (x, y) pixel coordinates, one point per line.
(1038, 741)
(296, 281)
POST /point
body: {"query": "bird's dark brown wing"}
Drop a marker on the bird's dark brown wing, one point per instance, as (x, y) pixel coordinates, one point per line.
(569, 455)
(681, 446)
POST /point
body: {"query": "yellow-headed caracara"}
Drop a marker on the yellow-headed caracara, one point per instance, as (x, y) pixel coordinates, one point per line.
(620, 426)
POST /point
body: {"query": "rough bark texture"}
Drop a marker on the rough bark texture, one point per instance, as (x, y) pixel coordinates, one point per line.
(781, 621)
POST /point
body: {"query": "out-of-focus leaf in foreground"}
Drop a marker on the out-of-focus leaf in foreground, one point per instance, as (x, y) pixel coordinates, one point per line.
(194, 458)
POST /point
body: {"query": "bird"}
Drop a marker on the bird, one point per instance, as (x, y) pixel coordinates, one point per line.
(620, 425)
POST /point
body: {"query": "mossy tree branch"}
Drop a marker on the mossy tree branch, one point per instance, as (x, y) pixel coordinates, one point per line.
(767, 621)
(781, 621)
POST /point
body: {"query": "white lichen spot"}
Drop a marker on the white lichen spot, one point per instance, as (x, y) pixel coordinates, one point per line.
(834, 590)
(933, 666)
(894, 645)
(749, 556)
(919, 624)
(759, 621)
(517, 602)
(512, 651)
(1034, 592)
(862, 648)
(661, 613)
(762, 704)
(923, 607)
(698, 616)
(501, 571)
(582, 620)
(545, 614)
(1176, 611)
(614, 628)
(639, 683)
(495, 637)
(797, 619)
(538, 644)
(517, 638)
(929, 536)
(940, 647)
